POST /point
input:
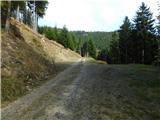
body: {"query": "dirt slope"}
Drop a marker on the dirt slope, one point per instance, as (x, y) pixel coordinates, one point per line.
(28, 60)
(90, 91)
(52, 49)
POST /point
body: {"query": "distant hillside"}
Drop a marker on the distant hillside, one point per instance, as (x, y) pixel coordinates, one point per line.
(28, 60)
(101, 39)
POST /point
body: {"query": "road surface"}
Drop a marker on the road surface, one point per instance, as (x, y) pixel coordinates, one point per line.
(84, 91)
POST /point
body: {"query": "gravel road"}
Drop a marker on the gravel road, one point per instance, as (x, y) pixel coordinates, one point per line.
(85, 91)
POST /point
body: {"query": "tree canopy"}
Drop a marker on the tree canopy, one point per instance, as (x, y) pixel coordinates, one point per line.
(137, 42)
(25, 11)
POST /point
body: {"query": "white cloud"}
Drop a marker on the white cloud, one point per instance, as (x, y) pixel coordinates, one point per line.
(92, 15)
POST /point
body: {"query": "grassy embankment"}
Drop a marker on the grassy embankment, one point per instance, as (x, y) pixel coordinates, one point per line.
(28, 60)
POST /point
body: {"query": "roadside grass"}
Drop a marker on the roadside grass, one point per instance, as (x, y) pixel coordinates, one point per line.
(92, 60)
(12, 88)
(140, 95)
(23, 68)
(145, 80)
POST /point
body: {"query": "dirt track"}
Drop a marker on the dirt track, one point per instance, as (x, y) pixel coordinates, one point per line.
(85, 91)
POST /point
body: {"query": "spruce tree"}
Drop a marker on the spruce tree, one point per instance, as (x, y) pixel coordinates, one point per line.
(144, 25)
(70, 43)
(104, 55)
(63, 39)
(157, 57)
(125, 42)
(91, 48)
(84, 49)
(55, 33)
(114, 52)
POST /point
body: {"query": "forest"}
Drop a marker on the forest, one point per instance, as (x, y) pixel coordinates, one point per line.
(136, 41)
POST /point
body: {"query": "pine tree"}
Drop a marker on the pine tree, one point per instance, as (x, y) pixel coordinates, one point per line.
(91, 48)
(74, 40)
(114, 52)
(63, 39)
(84, 49)
(103, 55)
(125, 41)
(8, 15)
(55, 34)
(157, 57)
(66, 39)
(158, 17)
(70, 43)
(4, 12)
(79, 45)
(144, 25)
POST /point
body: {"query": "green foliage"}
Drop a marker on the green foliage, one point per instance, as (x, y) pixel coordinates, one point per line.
(144, 25)
(91, 48)
(100, 39)
(40, 6)
(4, 8)
(158, 25)
(27, 17)
(103, 55)
(49, 32)
(114, 52)
(25, 8)
(15, 4)
(74, 41)
(88, 49)
(137, 42)
(71, 41)
(63, 36)
(157, 57)
(84, 49)
(79, 45)
(125, 41)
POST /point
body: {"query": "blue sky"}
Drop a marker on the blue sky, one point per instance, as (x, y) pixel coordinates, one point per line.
(93, 15)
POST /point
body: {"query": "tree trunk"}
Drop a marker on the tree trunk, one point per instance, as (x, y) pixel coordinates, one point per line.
(36, 21)
(17, 15)
(126, 61)
(34, 18)
(8, 16)
(143, 56)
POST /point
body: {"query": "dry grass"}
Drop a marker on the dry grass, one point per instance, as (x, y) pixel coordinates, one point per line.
(28, 60)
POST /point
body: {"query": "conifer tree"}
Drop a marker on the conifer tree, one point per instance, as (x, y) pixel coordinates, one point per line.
(144, 25)
(91, 48)
(84, 49)
(157, 57)
(114, 52)
(63, 39)
(8, 4)
(125, 41)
